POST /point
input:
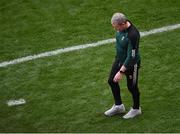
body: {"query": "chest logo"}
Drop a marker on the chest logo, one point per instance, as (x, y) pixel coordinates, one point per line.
(122, 38)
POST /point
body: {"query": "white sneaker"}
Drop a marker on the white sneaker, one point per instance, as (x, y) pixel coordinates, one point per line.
(132, 113)
(116, 109)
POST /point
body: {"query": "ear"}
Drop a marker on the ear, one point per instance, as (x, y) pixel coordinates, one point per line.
(124, 23)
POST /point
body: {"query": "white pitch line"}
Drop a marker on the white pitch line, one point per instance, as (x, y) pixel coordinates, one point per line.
(73, 48)
(16, 102)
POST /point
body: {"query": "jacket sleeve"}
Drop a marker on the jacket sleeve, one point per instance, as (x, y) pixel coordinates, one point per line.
(132, 50)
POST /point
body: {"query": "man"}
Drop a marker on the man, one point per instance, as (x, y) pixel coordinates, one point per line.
(127, 63)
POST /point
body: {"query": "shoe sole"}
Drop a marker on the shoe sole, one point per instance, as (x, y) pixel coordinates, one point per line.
(132, 117)
(115, 114)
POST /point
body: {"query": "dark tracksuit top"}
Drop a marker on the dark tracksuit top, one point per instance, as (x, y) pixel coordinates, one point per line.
(127, 47)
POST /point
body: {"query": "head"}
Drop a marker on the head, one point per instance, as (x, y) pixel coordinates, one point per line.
(119, 21)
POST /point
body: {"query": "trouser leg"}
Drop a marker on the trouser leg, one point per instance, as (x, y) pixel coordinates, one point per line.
(132, 84)
(115, 86)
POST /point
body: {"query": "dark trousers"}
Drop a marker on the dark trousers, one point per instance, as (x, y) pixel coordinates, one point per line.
(132, 84)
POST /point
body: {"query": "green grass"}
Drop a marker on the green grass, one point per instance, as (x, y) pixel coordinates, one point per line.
(29, 27)
(69, 92)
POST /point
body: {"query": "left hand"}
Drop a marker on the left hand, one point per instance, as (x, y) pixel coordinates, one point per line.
(118, 77)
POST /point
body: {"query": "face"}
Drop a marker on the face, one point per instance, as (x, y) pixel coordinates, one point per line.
(119, 27)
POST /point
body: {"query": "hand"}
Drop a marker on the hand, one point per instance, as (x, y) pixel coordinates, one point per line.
(118, 77)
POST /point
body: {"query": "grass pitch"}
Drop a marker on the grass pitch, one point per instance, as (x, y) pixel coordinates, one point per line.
(69, 92)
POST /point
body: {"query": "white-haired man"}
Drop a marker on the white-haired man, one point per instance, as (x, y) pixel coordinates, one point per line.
(127, 62)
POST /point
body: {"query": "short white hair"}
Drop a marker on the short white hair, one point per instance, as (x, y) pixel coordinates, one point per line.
(118, 18)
